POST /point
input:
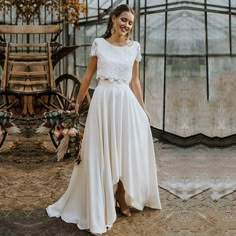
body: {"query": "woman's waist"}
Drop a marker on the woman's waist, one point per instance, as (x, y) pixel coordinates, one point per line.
(114, 80)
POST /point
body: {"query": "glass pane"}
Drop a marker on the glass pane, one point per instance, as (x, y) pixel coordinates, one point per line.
(233, 32)
(154, 2)
(142, 3)
(131, 3)
(175, 1)
(186, 33)
(142, 20)
(218, 2)
(80, 56)
(80, 52)
(80, 35)
(186, 96)
(155, 33)
(80, 71)
(218, 33)
(90, 34)
(119, 2)
(154, 80)
(93, 83)
(101, 29)
(222, 106)
(92, 7)
(233, 3)
(104, 3)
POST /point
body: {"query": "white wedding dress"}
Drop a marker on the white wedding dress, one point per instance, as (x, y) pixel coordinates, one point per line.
(117, 145)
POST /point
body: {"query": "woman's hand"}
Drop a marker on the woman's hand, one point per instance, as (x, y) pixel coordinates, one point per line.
(77, 109)
(148, 116)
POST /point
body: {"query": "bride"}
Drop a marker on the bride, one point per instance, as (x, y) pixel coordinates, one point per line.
(118, 162)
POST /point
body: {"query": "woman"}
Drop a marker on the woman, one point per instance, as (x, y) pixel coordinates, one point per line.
(118, 160)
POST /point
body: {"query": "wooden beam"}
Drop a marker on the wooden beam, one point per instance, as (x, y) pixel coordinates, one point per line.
(29, 29)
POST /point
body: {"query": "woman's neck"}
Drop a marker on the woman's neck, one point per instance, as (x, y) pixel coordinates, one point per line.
(119, 40)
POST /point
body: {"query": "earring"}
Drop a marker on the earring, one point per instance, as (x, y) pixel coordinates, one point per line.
(112, 30)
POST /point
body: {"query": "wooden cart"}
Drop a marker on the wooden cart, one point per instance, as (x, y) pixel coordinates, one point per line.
(28, 72)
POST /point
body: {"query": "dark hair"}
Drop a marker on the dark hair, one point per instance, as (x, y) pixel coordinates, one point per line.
(116, 12)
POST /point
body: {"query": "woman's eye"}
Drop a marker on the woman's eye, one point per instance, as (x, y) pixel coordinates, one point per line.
(125, 20)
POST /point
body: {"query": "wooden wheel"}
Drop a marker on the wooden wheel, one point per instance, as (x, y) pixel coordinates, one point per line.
(3, 133)
(3, 107)
(2, 138)
(68, 88)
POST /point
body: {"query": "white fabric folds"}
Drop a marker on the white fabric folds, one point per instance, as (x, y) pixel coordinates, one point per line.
(117, 145)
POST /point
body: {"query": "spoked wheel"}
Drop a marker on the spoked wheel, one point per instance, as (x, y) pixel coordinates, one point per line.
(3, 107)
(2, 138)
(68, 88)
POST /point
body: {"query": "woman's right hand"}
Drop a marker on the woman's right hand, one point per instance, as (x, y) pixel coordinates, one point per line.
(77, 109)
(148, 116)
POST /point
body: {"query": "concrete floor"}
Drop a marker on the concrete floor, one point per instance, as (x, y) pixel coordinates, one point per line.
(31, 179)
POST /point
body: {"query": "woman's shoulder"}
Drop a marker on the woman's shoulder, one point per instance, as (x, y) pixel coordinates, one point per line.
(136, 43)
(98, 39)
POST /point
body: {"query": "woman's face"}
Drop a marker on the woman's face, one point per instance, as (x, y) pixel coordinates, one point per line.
(123, 23)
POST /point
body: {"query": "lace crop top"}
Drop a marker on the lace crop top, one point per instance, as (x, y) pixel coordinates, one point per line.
(115, 62)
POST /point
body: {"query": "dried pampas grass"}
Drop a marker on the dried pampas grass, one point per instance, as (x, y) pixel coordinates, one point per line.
(62, 148)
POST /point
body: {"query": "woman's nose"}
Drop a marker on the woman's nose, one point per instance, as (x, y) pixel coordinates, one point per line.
(127, 25)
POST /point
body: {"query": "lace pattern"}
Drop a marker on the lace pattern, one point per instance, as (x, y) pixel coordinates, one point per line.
(93, 51)
(138, 57)
(115, 63)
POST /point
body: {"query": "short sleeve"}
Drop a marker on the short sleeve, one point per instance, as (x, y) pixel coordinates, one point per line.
(93, 51)
(138, 55)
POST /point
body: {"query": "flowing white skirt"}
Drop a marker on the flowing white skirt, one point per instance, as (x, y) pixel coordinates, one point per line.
(117, 145)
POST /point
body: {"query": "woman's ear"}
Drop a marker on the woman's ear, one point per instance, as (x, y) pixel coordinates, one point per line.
(113, 18)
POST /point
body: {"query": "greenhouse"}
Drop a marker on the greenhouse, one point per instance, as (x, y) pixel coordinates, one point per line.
(151, 151)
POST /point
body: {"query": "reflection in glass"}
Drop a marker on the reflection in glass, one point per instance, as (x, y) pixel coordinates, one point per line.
(218, 2)
(101, 29)
(198, 1)
(155, 33)
(92, 7)
(186, 96)
(142, 31)
(185, 33)
(79, 35)
(233, 32)
(233, 3)
(154, 2)
(104, 4)
(222, 96)
(80, 56)
(154, 80)
(90, 33)
(218, 33)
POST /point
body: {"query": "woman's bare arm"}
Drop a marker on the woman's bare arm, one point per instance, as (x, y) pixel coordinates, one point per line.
(135, 84)
(86, 80)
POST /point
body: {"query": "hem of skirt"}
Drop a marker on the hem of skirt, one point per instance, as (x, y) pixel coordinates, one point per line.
(80, 227)
(140, 207)
(137, 205)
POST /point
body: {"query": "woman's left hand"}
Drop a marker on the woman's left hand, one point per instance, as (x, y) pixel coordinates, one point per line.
(77, 109)
(148, 116)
